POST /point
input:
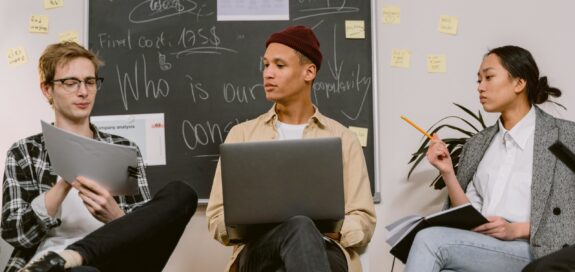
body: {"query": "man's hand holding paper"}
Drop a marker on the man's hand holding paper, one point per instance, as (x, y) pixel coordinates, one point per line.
(97, 199)
(72, 156)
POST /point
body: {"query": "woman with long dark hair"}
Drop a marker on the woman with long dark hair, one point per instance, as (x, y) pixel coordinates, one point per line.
(507, 173)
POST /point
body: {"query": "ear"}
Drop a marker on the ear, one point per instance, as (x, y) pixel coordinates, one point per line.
(310, 72)
(47, 92)
(520, 85)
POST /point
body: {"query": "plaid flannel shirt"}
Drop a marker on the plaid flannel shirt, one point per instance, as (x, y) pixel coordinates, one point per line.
(28, 174)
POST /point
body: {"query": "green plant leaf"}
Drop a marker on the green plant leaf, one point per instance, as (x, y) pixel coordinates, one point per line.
(472, 123)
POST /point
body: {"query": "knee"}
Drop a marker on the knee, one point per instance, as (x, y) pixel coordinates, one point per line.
(300, 222)
(182, 195)
(301, 225)
(427, 238)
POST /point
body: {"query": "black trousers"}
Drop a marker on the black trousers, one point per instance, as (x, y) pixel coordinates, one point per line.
(144, 239)
(562, 260)
(295, 245)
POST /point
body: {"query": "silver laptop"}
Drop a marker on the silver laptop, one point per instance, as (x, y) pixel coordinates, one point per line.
(266, 183)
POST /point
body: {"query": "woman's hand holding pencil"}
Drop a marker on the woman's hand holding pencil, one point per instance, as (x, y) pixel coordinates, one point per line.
(437, 152)
(416, 126)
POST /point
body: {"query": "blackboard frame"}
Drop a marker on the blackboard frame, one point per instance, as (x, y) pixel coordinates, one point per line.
(374, 128)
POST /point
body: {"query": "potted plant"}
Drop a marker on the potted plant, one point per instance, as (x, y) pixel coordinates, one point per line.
(454, 145)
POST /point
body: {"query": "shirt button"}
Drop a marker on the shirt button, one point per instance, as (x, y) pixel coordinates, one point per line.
(556, 211)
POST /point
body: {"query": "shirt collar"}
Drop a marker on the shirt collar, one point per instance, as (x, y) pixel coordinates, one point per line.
(271, 116)
(96, 131)
(521, 132)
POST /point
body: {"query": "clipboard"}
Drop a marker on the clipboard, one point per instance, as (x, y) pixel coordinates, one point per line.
(71, 155)
(563, 154)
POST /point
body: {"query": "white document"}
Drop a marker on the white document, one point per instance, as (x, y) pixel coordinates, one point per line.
(72, 155)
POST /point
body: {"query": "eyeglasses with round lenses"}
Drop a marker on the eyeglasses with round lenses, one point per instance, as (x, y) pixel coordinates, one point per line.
(72, 84)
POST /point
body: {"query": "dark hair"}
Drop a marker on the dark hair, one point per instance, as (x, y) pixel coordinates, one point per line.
(520, 64)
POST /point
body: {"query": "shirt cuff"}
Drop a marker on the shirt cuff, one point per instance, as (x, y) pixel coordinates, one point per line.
(46, 221)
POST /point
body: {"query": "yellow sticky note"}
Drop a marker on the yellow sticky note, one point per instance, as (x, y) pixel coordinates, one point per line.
(17, 55)
(71, 36)
(361, 134)
(391, 15)
(354, 29)
(436, 64)
(400, 58)
(48, 4)
(38, 24)
(448, 24)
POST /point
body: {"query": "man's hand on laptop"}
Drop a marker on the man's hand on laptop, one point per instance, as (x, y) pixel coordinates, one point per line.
(333, 235)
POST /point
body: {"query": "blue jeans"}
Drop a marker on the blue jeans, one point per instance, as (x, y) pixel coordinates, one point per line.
(448, 249)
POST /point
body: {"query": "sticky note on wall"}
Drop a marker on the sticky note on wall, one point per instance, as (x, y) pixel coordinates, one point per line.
(391, 15)
(354, 29)
(436, 64)
(68, 36)
(448, 24)
(400, 58)
(38, 24)
(48, 4)
(361, 134)
(17, 55)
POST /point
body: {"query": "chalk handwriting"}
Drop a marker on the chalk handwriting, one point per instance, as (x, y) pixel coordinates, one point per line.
(164, 65)
(106, 41)
(152, 89)
(204, 50)
(203, 134)
(191, 38)
(153, 10)
(200, 41)
(197, 90)
(155, 42)
(358, 83)
(241, 94)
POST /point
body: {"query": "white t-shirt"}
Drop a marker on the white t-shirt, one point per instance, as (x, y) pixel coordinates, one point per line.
(77, 222)
(502, 184)
(289, 132)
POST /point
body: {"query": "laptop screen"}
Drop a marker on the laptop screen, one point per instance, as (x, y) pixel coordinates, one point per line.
(268, 182)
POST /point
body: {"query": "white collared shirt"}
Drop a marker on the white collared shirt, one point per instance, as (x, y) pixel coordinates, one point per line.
(502, 184)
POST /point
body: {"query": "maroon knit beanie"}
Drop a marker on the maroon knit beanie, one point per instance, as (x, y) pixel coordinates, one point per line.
(301, 39)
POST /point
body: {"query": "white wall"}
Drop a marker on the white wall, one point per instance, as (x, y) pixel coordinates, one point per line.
(543, 27)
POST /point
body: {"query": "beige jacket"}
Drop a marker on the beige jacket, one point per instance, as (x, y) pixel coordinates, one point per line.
(359, 221)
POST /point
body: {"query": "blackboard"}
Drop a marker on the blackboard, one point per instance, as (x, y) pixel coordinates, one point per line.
(175, 57)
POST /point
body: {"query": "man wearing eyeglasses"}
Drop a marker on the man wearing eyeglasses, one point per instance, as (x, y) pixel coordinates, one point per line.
(77, 224)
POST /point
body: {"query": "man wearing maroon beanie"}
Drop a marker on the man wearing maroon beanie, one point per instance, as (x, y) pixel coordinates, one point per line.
(292, 60)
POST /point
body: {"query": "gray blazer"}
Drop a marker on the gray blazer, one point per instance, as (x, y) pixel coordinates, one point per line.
(552, 187)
